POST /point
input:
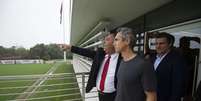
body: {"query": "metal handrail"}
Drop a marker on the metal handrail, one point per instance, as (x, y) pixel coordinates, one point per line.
(8, 94)
(38, 75)
(47, 97)
(13, 79)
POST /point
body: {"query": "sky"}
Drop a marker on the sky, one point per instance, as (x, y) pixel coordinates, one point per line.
(25, 23)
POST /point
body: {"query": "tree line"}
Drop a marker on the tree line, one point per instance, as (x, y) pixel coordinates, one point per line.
(39, 51)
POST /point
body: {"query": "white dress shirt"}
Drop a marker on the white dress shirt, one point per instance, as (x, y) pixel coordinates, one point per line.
(109, 81)
(158, 60)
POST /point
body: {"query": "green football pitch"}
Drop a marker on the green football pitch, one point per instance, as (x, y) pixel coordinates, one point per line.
(52, 89)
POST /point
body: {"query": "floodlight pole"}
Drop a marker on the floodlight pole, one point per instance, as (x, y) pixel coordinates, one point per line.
(63, 23)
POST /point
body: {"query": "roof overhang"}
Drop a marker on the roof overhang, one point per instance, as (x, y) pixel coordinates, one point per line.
(88, 14)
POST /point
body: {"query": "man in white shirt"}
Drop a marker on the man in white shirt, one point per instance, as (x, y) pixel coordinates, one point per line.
(104, 68)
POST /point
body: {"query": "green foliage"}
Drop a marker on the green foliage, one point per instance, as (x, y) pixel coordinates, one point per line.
(54, 51)
(69, 55)
(13, 52)
(39, 51)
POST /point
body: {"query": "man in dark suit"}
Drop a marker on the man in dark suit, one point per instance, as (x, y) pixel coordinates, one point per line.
(104, 68)
(169, 68)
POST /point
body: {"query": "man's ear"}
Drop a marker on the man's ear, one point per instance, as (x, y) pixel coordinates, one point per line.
(128, 41)
(170, 45)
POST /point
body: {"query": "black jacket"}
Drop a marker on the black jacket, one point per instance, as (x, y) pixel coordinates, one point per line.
(197, 95)
(98, 57)
(170, 75)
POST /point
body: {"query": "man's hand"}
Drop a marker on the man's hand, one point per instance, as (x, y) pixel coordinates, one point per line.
(151, 96)
(66, 47)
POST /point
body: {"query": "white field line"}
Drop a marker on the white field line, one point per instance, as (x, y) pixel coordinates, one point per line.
(37, 84)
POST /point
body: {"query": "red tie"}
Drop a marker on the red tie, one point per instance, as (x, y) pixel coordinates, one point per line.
(104, 73)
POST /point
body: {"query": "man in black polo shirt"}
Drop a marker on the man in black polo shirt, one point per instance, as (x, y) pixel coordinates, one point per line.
(136, 80)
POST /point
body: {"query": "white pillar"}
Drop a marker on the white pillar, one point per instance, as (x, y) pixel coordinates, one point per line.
(64, 55)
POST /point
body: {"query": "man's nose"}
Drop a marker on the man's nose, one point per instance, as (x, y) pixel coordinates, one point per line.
(157, 45)
(113, 42)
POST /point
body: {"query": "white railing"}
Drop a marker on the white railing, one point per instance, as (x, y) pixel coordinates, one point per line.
(32, 89)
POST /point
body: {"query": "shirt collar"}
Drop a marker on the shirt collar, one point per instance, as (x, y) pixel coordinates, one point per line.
(161, 56)
(112, 55)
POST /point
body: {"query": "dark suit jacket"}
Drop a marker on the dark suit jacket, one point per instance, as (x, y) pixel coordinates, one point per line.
(170, 77)
(197, 95)
(98, 57)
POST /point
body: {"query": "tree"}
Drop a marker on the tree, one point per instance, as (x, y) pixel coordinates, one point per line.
(39, 51)
(22, 52)
(54, 51)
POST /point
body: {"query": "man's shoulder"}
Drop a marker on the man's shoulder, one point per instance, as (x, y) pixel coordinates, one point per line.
(173, 54)
(100, 49)
(141, 61)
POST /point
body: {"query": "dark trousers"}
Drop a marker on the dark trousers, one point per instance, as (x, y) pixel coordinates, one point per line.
(106, 96)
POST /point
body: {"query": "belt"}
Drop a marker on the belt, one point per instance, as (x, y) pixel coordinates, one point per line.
(102, 93)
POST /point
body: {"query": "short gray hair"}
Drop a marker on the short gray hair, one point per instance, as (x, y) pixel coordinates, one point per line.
(128, 35)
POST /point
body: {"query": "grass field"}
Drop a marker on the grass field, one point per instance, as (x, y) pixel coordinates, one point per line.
(29, 69)
(23, 69)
